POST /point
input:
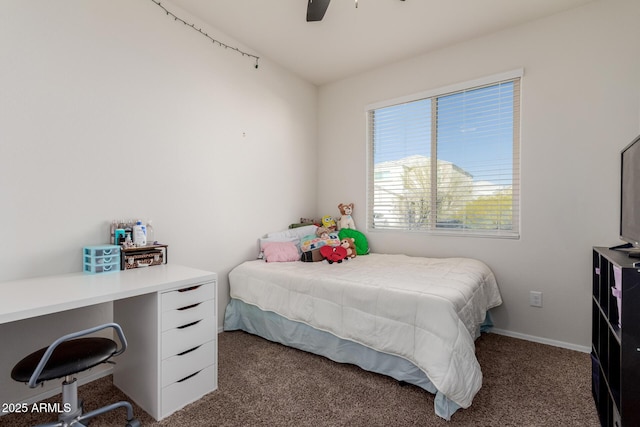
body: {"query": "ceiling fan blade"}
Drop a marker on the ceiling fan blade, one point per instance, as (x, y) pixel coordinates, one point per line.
(316, 9)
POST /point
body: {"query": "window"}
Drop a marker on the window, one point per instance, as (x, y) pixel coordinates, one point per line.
(447, 161)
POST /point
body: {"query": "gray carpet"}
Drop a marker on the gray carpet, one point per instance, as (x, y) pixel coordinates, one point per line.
(267, 384)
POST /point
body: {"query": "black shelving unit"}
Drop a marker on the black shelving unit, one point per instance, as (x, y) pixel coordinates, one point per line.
(615, 352)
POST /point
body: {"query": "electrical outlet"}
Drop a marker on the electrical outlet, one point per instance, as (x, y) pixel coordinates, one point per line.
(535, 299)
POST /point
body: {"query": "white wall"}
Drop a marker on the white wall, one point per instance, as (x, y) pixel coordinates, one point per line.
(111, 109)
(580, 106)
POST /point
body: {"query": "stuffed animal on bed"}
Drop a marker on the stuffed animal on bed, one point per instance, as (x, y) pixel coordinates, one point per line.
(322, 232)
(346, 221)
(350, 245)
(329, 223)
(333, 253)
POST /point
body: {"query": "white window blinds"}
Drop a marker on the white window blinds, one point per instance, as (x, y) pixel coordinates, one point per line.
(447, 162)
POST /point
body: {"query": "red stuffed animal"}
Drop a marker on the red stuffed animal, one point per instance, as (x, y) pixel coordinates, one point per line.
(333, 254)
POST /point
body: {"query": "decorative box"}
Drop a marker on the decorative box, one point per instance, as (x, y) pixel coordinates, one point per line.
(145, 256)
(101, 259)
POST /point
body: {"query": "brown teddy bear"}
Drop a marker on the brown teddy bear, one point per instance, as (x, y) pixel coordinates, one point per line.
(350, 245)
(345, 220)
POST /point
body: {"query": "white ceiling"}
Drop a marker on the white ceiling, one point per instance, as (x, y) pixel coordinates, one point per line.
(350, 40)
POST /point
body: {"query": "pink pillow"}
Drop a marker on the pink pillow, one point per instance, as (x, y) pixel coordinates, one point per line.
(280, 252)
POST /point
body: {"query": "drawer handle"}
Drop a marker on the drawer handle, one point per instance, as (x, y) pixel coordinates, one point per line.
(188, 307)
(192, 288)
(190, 324)
(189, 351)
(189, 376)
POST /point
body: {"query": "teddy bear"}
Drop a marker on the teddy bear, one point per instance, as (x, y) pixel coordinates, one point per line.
(349, 244)
(346, 221)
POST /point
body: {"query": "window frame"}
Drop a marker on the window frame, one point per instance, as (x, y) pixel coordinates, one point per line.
(433, 94)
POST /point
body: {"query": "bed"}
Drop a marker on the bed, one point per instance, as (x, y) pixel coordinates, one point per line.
(412, 318)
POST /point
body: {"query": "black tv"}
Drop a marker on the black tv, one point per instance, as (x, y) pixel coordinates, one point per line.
(630, 196)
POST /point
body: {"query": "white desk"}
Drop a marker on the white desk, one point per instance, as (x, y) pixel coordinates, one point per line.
(164, 311)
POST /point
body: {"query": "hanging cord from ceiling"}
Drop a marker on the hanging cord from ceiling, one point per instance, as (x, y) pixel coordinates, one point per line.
(193, 27)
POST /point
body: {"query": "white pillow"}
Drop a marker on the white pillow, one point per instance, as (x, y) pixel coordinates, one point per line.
(295, 233)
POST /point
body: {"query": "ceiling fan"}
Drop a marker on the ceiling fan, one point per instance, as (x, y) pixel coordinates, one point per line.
(317, 8)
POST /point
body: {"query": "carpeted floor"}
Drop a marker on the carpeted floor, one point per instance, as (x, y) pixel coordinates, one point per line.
(267, 384)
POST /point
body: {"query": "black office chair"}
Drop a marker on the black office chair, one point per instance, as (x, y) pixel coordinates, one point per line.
(67, 356)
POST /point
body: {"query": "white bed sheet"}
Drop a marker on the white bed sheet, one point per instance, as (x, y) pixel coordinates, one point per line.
(426, 310)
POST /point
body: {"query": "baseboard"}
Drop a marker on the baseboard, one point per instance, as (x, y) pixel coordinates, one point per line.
(562, 344)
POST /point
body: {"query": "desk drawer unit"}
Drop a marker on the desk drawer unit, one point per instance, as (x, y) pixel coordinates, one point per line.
(165, 371)
(188, 345)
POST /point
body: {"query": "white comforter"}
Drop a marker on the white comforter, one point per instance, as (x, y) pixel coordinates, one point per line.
(427, 310)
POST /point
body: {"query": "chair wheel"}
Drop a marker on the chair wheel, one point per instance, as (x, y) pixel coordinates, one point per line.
(133, 423)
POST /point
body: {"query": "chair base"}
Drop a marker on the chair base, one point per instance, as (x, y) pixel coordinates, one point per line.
(74, 416)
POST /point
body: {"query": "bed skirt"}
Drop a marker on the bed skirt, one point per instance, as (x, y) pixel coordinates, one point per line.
(271, 326)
